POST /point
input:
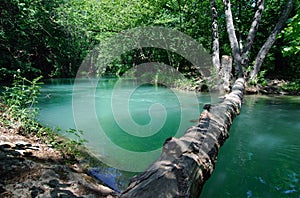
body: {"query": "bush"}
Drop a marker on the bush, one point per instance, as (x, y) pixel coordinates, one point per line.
(20, 111)
(20, 100)
(291, 86)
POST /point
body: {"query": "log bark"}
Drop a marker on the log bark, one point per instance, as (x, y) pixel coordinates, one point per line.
(186, 163)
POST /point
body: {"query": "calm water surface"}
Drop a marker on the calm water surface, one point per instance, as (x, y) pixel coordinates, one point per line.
(156, 113)
(260, 159)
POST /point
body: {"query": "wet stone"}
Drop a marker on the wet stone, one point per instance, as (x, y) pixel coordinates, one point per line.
(22, 144)
(5, 146)
(35, 191)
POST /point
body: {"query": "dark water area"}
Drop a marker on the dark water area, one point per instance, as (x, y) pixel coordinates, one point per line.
(260, 158)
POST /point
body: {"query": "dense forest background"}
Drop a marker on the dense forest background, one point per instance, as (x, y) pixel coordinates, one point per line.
(51, 38)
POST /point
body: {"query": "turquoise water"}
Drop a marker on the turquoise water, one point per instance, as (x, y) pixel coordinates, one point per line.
(125, 123)
(260, 158)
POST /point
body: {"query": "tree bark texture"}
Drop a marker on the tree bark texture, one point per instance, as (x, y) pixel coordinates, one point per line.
(236, 52)
(225, 72)
(215, 37)
(252, 33)
(186, 163)
(271, 39)
(239, 52)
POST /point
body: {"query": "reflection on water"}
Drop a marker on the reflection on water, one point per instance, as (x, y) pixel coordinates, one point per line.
(261, 157)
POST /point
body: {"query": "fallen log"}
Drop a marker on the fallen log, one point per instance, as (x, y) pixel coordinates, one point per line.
(186, 163)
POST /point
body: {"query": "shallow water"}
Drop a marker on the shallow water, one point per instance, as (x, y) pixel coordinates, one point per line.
(260, 158)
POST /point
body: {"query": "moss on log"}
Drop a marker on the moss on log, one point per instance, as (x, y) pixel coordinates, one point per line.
(186, 163)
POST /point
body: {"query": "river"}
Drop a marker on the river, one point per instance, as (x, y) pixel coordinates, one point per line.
(261, 157)
(126, 125)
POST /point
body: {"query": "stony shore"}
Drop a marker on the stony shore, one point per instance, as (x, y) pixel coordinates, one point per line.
(30, 168)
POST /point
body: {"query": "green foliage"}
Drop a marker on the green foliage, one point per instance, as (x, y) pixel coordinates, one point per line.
(23, 93)
(185, 84)
(292, 87)
(70, 146)
(51, 38)
(20, 109)
(21, 99)
(291, 35)
(32, 40)
(282, 61)
(260, 79)
(92, 21)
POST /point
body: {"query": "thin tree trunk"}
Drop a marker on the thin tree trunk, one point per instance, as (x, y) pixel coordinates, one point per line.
(271, 39)
(225, 72)
(252, 33)
(186, 163)
(215, 37)
(233, 39)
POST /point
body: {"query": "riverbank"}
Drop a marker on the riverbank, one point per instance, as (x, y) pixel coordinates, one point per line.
(273, 87)
(268, 87)
(31, 168)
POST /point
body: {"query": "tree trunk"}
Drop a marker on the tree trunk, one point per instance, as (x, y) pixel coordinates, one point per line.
(236, 52)
(216, 48)
(215, 37)
(252, 33)
(271, 39)
(186, 163)
(239, 52)
(225, 72)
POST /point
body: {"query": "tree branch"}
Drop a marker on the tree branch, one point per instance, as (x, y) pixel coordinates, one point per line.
(215, 37)
(252, 33)
(233, 39)
(271, 39)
